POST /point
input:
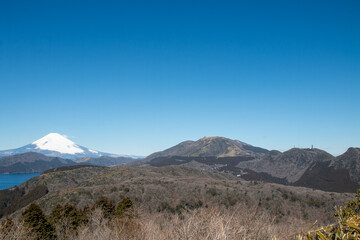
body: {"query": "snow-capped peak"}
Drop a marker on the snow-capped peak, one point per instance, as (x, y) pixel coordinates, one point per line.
(57, 142)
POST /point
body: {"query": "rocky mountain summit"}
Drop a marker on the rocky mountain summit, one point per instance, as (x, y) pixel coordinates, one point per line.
(210, 147)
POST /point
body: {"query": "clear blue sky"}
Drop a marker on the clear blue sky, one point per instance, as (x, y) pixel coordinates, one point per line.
(136, 77)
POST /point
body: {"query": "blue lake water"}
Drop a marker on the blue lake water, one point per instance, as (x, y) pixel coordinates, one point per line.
(10, 180)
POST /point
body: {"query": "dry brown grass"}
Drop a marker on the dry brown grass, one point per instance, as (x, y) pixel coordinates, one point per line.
(238, 222)
(204, 223)
(14, 230)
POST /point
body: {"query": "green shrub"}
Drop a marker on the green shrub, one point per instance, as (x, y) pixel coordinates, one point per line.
(35, 219)
(107, 205)
(125, 208)
(347, 226)
(68, 216)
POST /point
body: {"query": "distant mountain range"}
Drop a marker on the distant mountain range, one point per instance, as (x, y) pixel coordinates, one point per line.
(289, 165)
(104, 161)
(31, 162)
(301, 167)
(36, 162)
(57, 145)
(313, 168)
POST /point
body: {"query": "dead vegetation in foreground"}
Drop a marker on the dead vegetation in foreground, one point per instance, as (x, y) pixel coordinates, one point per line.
(204, 223)
(106, 221)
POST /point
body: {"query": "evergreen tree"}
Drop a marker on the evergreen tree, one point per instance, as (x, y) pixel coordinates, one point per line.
(35, 219)
(56, 214)
(107, 205)
(68, 216)
(125, 208)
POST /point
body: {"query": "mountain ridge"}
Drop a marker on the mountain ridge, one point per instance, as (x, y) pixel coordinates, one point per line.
(57, 145)
(307, 167)
(290, 164)
(209, 147)
(31, 162)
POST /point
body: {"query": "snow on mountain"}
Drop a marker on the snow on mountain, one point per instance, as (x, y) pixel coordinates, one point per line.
(57, 145)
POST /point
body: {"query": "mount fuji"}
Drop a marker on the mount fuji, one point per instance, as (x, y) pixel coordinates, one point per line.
(57, 145)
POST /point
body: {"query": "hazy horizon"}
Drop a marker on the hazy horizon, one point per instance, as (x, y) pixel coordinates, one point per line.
(282, 150)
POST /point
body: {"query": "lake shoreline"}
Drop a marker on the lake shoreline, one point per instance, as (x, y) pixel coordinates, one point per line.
(10, 180)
